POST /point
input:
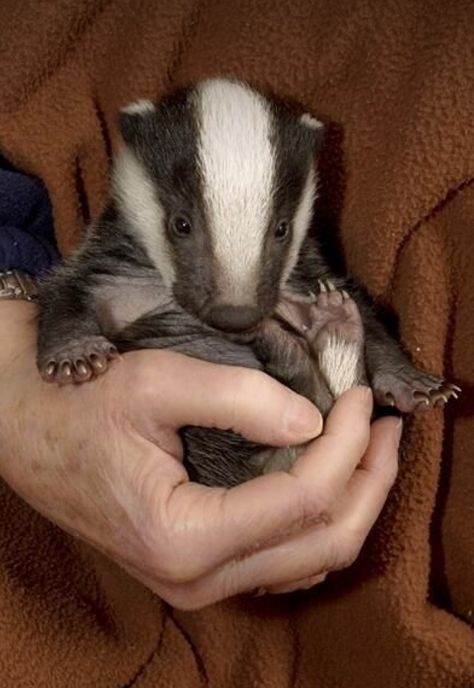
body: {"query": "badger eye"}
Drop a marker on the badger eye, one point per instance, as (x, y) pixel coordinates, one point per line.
(181, 226)
(282, 231)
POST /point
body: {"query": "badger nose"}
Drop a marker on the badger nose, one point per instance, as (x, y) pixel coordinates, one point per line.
(233, 318)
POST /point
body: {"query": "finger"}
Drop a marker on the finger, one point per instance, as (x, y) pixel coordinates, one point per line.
(206, 527)
(181, 390)
(326, 547)
(371, 482)
(302, 584)
(345, 439)
(276, 567)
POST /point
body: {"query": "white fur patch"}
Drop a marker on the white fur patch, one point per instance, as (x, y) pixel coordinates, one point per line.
(310, 121)
(301, 222)
(339, 362)
(237, 164)
(139, 107)
(122, 300)
(137, 197)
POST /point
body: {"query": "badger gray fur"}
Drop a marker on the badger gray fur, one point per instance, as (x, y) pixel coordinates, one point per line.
(203, 248)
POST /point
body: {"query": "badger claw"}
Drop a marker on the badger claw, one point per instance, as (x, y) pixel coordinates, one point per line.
(411, 389)
(77, 362)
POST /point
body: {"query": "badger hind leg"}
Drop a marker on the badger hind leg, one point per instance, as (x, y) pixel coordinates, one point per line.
(273, 459)
(331, 326)
(286, 356)
(336, 336)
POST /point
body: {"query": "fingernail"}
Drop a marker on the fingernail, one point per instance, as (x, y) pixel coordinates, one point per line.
(260, 592)
(303, 419)
(363, 391)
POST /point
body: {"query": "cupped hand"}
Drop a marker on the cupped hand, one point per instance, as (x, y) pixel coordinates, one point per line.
(104, 461)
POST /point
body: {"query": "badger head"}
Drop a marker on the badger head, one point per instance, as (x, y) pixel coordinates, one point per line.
(217, 183)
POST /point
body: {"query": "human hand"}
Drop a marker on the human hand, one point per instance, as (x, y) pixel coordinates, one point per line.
(103, 461)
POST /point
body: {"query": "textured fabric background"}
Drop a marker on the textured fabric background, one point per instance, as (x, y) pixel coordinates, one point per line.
(395, 82)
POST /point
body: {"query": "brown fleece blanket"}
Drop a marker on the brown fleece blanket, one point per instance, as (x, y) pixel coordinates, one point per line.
(395, 81)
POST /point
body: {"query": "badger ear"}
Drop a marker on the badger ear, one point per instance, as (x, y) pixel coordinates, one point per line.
(134, 120)
(314, 128)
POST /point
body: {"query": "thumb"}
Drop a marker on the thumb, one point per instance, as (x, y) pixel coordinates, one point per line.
(187, 391)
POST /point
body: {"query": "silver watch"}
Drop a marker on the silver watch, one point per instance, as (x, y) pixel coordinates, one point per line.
(15, 284)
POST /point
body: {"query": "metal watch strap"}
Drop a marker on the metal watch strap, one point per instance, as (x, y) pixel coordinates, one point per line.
(17, 285)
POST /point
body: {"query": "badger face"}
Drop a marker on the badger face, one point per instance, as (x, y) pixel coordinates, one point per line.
(218, 184)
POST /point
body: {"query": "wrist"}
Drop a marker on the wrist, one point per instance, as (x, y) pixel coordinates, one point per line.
(17, 328)
(16, 310)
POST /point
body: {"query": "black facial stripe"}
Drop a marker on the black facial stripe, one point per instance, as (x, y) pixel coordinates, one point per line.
(166, 141)
(111, 245)
(293, 147)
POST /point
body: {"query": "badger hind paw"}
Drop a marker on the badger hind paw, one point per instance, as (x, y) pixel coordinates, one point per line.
(412, 389)
(77, 361)
(331, 325)
(337, 337)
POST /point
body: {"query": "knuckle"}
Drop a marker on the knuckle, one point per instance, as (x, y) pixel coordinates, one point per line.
(323, 496)
(346, 542)
(349, 554)
(184, 599)
(174, 595)
(350, 545)
(166, 564)
(351, 558)
(172, 562)
(325, 499)
(155, 540)
(313, 506)
(145, 484)
(169, 569)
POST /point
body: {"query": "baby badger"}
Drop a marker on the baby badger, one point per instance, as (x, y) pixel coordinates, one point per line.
(203, 248)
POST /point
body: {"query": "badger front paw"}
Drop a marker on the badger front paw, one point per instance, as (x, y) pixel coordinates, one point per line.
(77, 361)
(411, 389)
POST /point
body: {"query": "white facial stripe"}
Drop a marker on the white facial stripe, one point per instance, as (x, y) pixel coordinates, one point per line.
(237, 164)
(139, 107)
(301, 222)
(136, 195)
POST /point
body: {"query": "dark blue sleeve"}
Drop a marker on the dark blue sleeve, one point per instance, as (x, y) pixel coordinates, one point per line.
(26, 223)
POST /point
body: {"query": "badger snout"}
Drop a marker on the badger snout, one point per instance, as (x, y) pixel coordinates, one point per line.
(233, 318)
